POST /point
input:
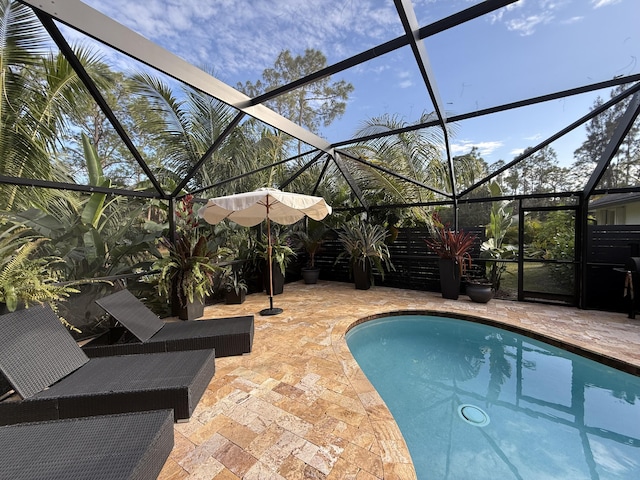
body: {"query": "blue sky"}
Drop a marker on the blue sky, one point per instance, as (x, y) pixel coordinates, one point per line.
(532, 47)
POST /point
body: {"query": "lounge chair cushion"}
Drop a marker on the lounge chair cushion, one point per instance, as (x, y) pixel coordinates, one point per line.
(132, 313)
(110, 447)
(36, 350)
(228, 336)
(31, 342)
(130, 383)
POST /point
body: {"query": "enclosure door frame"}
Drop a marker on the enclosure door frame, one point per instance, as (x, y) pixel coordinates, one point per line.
(533, 296)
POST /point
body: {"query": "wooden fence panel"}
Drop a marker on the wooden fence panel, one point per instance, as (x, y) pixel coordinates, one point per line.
(608, 247)
(416, 268)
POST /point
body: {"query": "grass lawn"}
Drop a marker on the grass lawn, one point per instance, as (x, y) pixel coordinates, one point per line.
(538, 277)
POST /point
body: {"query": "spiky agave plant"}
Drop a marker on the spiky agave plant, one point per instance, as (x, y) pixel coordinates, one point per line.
(365, 243)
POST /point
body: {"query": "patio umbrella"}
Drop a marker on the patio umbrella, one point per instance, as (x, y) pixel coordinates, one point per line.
(251, 208)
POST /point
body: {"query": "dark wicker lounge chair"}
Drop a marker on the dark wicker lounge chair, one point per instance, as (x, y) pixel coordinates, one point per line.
(51, 373)
(107, 447)
(144, 332)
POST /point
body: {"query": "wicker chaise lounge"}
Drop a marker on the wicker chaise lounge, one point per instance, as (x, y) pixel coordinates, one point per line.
(55, 378)
(107, 447)
(144, 332)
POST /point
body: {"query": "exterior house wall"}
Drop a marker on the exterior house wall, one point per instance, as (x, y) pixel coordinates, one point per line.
(628, 214)
(633, 214)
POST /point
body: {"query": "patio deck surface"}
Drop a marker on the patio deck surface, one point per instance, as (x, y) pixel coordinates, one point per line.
(299, 407)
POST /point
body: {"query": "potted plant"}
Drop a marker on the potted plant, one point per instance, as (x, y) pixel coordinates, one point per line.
(235, 288)
(311, 241)
(188, 273)
(281, 256)
(479, 289)
(493, 250)
(365, 246)
(453, 247)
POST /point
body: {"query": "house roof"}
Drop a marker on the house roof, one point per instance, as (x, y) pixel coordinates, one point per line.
(614, 200)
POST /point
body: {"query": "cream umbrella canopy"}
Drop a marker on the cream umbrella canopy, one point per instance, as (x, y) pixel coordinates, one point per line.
(251, 208)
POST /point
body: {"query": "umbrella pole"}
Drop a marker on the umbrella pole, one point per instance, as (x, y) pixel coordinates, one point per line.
(270, 310)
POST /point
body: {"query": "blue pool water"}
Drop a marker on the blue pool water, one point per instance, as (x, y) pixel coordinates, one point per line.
(533, 411)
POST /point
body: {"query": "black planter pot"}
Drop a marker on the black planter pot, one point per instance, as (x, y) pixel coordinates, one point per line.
(479, 292)
(310, 275)
(449, 278)
(235, 298)
(362, 275)
(278, 279)
(192, 310)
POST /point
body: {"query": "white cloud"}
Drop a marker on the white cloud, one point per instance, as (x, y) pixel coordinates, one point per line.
(244, 38)
(525, 17)
(526, 26)
(375, 69)
(405, 79)
(572, 20)
(498, 15)
(603, 3)
(463, 147)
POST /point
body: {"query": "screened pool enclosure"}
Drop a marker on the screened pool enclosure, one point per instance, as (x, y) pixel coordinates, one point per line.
(522, 112)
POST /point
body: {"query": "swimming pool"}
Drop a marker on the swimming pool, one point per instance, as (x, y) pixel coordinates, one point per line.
(478, 402)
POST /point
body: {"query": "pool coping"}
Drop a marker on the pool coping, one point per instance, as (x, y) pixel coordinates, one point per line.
(338, 416)
(396, 458)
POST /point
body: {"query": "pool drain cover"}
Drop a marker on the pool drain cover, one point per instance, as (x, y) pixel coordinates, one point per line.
(473, 415)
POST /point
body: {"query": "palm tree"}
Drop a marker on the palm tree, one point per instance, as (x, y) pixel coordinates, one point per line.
(38, 89)
(189, 122)
(94, 235)
(22, 44)
(414, 154)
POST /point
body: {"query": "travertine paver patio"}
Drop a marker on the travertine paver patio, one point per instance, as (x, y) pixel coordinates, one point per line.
(299, 407)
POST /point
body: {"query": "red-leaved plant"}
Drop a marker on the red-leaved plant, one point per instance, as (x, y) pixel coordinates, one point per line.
(448, 243)
(191, 265)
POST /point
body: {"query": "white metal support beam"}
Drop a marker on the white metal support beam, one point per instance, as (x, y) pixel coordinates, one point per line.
(412, 31)
(104, 29)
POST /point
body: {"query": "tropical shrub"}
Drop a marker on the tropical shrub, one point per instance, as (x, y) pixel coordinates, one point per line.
(451, 244)
(494, 248)
(366, 243)
(191, 267)
(26, 276)
(281, 252)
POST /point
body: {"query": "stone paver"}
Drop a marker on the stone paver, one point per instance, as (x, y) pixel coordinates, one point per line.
(300, 407)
